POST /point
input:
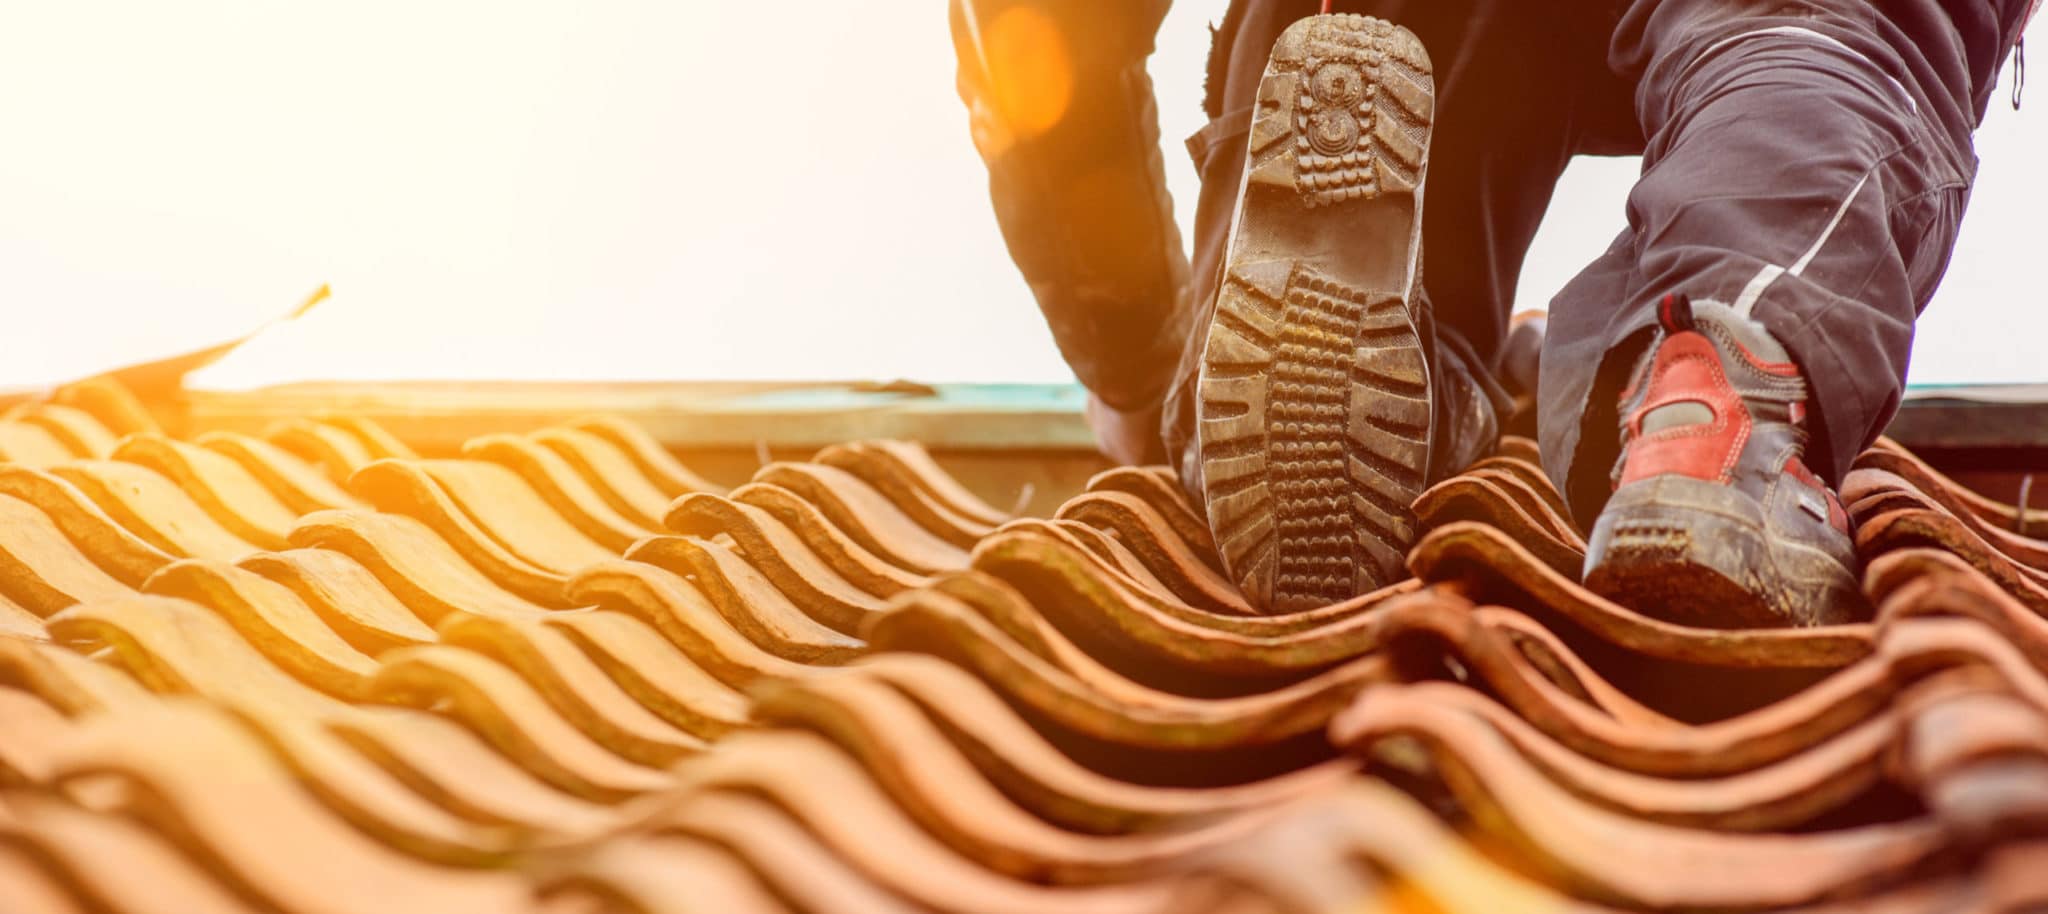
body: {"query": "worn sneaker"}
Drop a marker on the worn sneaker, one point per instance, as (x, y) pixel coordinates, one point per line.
(1315, 405)
(1716, 521)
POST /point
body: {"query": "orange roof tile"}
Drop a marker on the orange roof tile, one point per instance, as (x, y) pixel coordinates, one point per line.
(314, 671)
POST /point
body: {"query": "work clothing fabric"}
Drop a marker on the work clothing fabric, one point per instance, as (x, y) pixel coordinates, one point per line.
(1804, 161)
(1807, 161)
(1063, 114)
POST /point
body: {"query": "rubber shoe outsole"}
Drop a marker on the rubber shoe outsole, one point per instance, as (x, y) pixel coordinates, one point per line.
(1314, 407)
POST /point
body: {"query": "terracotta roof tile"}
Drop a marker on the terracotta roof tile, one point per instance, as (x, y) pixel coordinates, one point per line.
(316, 671)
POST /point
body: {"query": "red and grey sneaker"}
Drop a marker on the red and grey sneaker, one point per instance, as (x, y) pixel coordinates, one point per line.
(1716, 521)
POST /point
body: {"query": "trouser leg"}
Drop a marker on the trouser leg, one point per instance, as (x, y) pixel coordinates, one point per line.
(1063, 115)
(1520, 89)
(1789, 172)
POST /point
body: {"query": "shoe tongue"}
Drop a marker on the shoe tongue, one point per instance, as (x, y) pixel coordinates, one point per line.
(1734, 325)
(1750, 356)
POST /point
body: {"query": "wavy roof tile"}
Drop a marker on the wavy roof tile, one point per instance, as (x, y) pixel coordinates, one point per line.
(316, 672)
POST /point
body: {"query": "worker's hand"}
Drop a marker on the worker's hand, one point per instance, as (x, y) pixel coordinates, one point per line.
(1130, 439)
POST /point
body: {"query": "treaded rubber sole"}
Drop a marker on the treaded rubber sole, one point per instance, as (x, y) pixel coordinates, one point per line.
(1313, 408)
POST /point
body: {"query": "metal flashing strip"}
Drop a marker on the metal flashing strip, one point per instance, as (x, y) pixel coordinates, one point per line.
(683, 415)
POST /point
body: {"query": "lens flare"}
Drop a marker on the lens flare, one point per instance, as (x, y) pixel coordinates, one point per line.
(1030, 71)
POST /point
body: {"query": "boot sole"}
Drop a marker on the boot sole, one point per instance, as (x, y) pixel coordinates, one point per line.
(1700, 554)
(1314, 409)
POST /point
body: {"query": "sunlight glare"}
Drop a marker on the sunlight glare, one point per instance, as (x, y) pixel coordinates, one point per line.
(1030, 71)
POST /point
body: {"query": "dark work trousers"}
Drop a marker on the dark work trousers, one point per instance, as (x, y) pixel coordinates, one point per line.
(1807, 162)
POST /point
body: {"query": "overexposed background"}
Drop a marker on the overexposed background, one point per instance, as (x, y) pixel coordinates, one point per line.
(626, 189)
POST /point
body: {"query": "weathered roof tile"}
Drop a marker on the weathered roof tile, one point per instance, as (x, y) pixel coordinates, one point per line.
(567, 674)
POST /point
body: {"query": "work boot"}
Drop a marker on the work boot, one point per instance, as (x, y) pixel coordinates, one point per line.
(1716, 521)
(1321, 410)
(1063, 114)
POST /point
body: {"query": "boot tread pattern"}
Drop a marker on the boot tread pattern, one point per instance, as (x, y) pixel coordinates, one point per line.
(1314, 409)
(1314, 404)
(1315, 423)
(1348, 113)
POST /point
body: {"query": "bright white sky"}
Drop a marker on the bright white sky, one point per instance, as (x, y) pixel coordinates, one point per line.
(632, 189)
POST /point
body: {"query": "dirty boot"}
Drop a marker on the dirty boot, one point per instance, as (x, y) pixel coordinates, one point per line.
(1315, 405)
(1716, 520)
